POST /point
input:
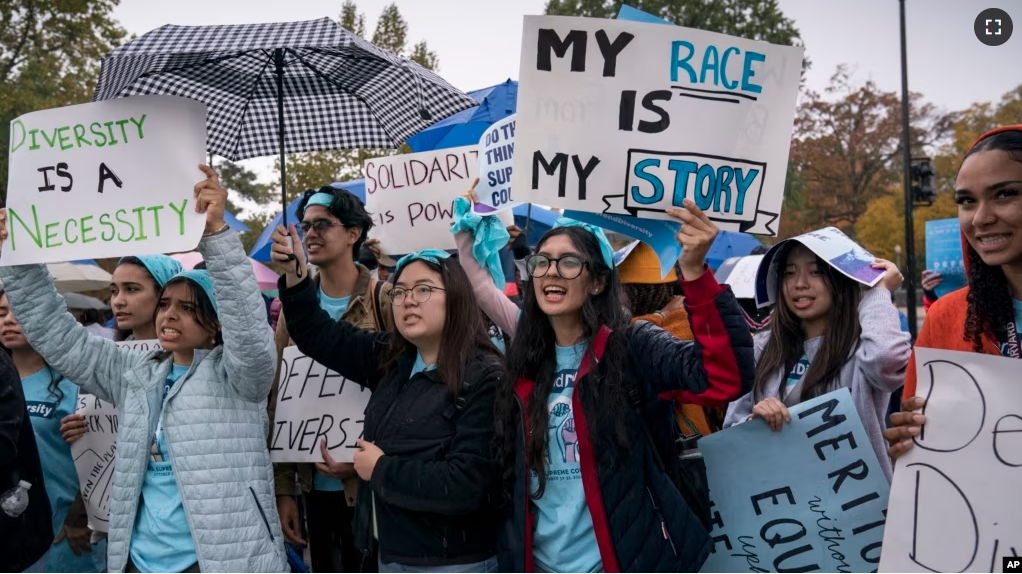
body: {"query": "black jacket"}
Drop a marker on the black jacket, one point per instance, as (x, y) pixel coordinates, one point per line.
(641, 521)
(434, 485)
(23, 540)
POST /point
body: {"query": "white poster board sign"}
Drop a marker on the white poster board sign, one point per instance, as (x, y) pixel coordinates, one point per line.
(740, 274)
(94, 452)
(496, 160)
(955, 501)
(105, 179)
(411, 197)
(630, 118)
(313, 404)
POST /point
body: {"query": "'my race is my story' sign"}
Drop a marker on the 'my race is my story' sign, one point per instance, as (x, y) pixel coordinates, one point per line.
(630, 118)
(105, 179)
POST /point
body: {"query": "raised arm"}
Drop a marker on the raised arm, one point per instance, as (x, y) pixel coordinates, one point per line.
(714, 369)
(492, 301)
(460, 482)
(248, 356)
(884, 349)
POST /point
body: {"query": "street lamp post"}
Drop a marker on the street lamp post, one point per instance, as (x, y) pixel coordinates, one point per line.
(910, 250)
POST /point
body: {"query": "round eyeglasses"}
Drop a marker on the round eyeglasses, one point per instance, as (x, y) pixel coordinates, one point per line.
(419, 293)
(568, 267)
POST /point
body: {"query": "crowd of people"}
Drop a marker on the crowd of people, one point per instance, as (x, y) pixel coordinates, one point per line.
(538, 434)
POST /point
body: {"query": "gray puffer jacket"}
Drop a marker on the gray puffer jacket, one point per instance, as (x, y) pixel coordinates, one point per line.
(214, 418)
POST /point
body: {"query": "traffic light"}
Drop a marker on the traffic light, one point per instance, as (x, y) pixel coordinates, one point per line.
(923, 190)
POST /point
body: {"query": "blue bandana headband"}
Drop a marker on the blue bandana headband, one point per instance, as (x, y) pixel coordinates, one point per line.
(434, 256)
(605, 249)
(489, 237)
(201, 278)
(320, 198)
(161, 267)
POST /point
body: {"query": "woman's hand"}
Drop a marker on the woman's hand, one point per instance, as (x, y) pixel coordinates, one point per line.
(330, 467)
(931, 280)
(365, 458)
(470, 193)
(514, 231)
(73, 427)
(282, 251)
(78, 538)
(290, 525)
(374, 247)
(905, 426)
(892, 278)
(211, 199)
(696, 237)
(773, 412)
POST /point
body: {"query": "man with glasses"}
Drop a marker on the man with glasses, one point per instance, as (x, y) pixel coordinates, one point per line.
(333, 227)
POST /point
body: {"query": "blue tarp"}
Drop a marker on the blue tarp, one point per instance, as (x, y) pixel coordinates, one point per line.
(542, 221)
(467, 126)
(730, 244)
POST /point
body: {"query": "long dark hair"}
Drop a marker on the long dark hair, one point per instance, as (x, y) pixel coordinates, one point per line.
(990, 307)
(54, 386)
(532, 356)
(785, 346)
(124, 334)
(464, 330)
(646, 298)
(205, 315)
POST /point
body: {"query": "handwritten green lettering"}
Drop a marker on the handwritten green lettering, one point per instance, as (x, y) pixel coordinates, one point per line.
(85, 229)
(35, 144)
(117, 216)
(64, 137)
(156, 217)
(80, 136)
(110, 130)
(180, 215)
(141, 226)
(51, 142)
(36, 237)
(93, 127)
(138, 124)
(67, 237)
(51, 235)
(104, 220)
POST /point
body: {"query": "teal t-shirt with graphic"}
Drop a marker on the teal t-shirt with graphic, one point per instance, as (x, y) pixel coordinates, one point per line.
(564, 539)
(335, 307)
(45, 409)
(162, 541)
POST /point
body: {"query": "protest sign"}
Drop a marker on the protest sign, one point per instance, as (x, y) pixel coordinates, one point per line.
(659, 235)
(739, 273)
(105, 179)
(829, 244)
(809, 498)
(411, 197)
(621, 254)
(315, 403)
(944, 254)
(496, 156)
(955, 499)
(654, 114)
(94, 452)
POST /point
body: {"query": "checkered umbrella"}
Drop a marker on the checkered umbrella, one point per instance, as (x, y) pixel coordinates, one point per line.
(326, 87)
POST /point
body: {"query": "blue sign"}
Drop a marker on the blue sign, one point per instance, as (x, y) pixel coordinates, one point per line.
(944, 254)
(656, 233)
(809, 498)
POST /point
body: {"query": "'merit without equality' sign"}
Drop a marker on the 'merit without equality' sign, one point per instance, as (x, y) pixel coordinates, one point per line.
(105, 179)
(629, 118)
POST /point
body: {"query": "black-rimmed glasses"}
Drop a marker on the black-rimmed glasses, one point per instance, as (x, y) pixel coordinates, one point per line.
(568, 267)
(419, 293)
(320, 226)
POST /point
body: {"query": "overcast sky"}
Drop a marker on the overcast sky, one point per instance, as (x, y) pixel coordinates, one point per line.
(478, 41)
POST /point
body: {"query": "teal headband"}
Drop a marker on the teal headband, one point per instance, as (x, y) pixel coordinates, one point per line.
(605, 249)
(161, 267)
(320, 198)
(434, 256)
(201, 278)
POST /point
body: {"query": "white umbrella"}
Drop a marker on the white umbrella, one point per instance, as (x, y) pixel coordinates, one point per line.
(75, 277)
(78, 301)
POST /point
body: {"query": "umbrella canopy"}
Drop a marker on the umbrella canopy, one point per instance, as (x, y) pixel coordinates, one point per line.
(543, 220)
(79, 301)
(74, 277)
(234, 222)
(730, 244)
(261, 249)
(467, 126)
(266, 277)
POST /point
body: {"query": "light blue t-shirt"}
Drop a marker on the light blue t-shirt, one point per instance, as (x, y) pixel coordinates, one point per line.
(564, 540)
(419, 366)
(796, 374)
(162, 541)
(45, 412)
(335, 307)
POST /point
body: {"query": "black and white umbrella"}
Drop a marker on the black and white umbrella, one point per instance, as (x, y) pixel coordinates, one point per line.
(327, 87)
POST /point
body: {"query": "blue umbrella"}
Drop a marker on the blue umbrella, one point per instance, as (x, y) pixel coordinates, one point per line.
(467, 126)
(85, 262)
(730, 244)
(234, 222)
(261, 249)
(542, 221)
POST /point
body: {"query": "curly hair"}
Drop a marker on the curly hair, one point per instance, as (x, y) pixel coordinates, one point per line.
(989, 300)
(646, 298)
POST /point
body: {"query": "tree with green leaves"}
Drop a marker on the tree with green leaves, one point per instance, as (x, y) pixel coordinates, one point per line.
(312, 170)
(751, 19)
(49, 57)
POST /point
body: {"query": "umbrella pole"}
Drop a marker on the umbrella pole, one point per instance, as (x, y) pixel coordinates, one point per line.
(528, 222)
(278, 62)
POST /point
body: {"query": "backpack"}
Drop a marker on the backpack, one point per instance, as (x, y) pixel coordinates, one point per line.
(684, 463)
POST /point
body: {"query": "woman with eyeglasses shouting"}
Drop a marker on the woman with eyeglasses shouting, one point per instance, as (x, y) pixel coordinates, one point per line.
(428, 474)
(581, 430)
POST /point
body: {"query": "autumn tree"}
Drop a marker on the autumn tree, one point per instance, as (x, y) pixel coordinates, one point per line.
(315, 169)
(847, 149)
(50, 52)
(751, 19)
(882, 225)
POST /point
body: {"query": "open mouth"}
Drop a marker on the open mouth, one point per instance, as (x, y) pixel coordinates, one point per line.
(994, 241)
(168, 334)
(554, 293)
(803, 302)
